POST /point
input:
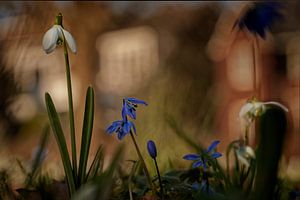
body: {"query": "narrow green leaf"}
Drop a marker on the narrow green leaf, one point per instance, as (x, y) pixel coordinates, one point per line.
(228, 150)
(101, 186)
(133, 170)
(61, 142)
(87, 130)
(97, 164)
(39, 154)
(105, 180)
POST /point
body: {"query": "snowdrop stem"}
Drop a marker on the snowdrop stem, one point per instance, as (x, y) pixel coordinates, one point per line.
(254, 67)
(247, 135)
(142, 160)
(71, 110)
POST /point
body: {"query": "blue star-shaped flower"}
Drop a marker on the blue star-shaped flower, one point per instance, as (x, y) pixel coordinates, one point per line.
(129, 106)
(260, 17)
(122, 127)
(200, 161)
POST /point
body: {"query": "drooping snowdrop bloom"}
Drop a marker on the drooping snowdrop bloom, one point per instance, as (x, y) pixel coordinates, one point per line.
(245, 154)
(254, 109)
(56, 36)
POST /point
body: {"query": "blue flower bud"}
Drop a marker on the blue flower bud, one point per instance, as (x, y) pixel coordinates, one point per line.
(151, 149)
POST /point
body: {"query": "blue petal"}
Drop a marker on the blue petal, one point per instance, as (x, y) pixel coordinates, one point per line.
(127, 127)
(111, 129)
(124, 113)
(132, 113)
(216, 155)
(191, 157)
(121, 135)
(128, 110)
(213, 146)
(197, 164)
(136, 101)
(114, 127)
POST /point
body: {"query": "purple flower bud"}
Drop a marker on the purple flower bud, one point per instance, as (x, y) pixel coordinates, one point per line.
(151, 149)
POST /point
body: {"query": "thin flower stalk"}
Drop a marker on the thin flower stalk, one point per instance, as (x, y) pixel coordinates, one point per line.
(70, 100)
(153, 153)
(159, 179)
(142, 160)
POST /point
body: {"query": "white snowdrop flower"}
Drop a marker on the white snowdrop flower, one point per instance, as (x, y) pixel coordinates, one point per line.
(245, 154)
(55, 36)
(254, 109)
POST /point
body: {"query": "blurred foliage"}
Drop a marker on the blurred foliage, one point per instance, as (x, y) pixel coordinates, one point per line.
(9, 89)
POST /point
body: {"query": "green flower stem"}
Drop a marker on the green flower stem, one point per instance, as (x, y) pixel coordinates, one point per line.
(247, 136)
(71, 112)
(159, 179)
(254, 67)
(142, 161)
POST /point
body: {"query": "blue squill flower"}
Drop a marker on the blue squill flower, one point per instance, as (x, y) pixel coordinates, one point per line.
(151, 149)
(129, 107)
(258, 18)
(121, 127)
(200, 160)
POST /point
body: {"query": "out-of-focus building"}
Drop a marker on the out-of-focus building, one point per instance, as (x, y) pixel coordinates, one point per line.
(159, 57)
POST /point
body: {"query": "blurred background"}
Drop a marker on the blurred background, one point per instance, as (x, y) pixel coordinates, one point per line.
(185, 59)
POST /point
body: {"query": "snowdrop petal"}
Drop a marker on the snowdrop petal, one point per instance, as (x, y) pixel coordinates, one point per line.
(245, 109)
(250, 152)
(243, 160)
(277, 104)
(70, 41)
(50, 39)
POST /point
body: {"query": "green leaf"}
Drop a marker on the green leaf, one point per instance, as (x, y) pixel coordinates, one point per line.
(38, 157)
(272, 133)
(87, 130)
(101, 186)
(97, 164)
(61, 142)
(105, 180)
